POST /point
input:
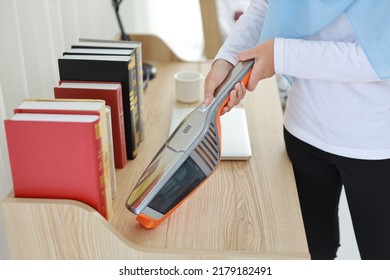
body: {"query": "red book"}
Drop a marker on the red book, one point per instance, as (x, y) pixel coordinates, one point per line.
(112, 94)
(57, 156)
(79, 107)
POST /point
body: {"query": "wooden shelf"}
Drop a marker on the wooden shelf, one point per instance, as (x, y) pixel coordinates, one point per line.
(246, 210)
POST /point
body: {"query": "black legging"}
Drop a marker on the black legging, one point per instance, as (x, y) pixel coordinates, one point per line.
(320, 176)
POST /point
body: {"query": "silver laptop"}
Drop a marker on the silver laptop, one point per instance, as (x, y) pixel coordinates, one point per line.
(235, 135)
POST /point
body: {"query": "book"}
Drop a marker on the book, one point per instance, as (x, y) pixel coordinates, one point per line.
(57, 156)
(81, 107)
(101, 44)
(96, 51)
(108, 69)
(112, 94)
(111, 152)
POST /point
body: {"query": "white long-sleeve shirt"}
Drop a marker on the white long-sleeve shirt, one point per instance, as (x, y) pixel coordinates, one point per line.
(337, 102)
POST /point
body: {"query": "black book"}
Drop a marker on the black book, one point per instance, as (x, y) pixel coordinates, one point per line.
(101, 44)
(109, 69)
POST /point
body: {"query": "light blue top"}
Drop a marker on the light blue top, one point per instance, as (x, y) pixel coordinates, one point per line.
(369, 18)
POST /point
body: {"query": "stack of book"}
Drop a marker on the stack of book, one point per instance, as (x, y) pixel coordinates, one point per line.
(68, 147)
(59, 148)
(110, 61)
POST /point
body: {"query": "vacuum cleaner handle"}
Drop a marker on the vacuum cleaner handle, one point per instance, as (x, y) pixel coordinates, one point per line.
(240, 73)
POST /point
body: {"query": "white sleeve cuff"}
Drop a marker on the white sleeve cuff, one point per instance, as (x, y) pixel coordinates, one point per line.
(279, 55)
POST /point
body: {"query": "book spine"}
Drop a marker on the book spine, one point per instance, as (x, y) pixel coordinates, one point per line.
(140, 87)
(111, 152)
(122, 158)
(104, 134)
(103, 208)
(133, 99)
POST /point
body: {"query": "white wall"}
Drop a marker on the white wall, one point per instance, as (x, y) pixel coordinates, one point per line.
(34, 33)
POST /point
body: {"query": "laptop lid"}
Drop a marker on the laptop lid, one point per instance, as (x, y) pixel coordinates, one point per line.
(234, 128)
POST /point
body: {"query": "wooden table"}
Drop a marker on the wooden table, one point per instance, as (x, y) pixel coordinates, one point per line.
(246, 210)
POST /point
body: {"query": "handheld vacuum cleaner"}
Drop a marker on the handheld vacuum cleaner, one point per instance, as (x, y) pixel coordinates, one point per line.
(187, 159)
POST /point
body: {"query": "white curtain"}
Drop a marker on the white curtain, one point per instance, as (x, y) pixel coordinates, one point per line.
(34, 33)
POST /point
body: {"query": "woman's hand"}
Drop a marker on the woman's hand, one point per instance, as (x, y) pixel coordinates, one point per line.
(219, 70)
(263, 68)
(264, 62)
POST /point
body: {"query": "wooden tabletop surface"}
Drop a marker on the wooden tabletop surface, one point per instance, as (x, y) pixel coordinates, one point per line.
(247, 209)
(246, 206)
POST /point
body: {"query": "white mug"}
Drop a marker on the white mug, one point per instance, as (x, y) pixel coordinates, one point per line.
(189, 86)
